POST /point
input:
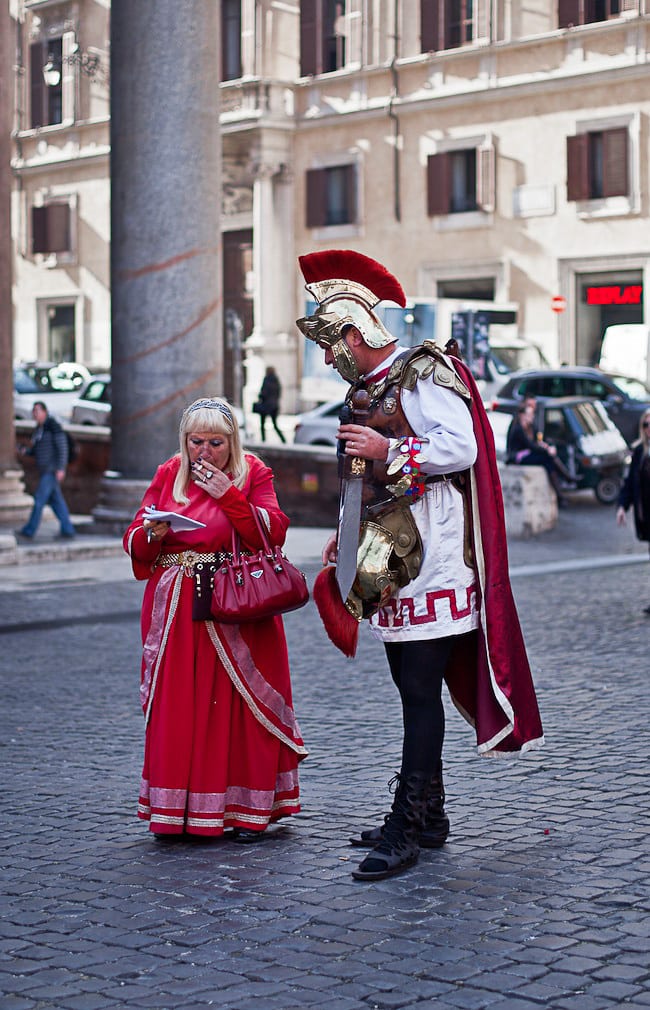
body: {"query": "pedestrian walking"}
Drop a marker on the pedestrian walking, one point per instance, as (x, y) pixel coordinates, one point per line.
(636, 487)
(222, 743)
(49, 447)
(426, 541)
(268, 403)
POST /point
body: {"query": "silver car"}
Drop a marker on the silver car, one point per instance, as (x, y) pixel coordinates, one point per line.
(319, 426)
(94, 405)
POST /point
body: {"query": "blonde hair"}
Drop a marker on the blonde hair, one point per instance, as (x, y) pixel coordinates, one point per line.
(214, 415)
(644, 433)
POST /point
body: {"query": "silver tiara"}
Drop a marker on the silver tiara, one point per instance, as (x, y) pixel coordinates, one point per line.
(211, 404)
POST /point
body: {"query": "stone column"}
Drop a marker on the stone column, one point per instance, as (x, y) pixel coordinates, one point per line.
(14, 503)
(274, 336)
(165, 233)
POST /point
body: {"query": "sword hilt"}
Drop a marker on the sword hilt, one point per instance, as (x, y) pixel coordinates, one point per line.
(360, 406)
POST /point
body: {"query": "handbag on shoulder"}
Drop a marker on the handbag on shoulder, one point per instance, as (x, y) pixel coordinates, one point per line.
(250, 587)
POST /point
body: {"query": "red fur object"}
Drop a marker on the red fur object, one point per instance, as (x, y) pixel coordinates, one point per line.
(340, 625)
(345, 264)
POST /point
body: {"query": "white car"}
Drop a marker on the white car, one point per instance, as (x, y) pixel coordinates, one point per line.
(57, 386)
(94, 404)
(319, 426)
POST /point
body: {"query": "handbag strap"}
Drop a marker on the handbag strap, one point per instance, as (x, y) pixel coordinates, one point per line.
(261, 528)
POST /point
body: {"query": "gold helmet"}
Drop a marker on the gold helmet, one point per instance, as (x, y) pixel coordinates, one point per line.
(347, 285)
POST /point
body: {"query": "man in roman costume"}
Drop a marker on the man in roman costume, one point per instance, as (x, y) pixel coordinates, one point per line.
(431, 572)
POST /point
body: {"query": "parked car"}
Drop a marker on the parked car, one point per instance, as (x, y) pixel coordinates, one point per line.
(319, 426)
(588, 442)
(94, 404)
(57, 386)
(506, 355)
(624, 399)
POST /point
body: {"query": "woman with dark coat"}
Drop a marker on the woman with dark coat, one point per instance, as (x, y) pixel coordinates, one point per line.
(636, 488)
(268, 403)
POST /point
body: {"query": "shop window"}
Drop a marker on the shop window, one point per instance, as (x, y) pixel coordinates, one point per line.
(584, 12)
(51, 228)
(231, 68)
(597, 165)
(331, 196)
(460, 181)
(322, 36)
(446, 24)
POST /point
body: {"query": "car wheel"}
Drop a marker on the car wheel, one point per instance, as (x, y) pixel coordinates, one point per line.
(607, 490)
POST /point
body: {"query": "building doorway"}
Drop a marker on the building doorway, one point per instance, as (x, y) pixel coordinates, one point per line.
(605, 299)
(237, 309)
(60, 337)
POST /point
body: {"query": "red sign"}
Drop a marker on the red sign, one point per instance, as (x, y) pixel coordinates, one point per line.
(630, 294)
(558, 303)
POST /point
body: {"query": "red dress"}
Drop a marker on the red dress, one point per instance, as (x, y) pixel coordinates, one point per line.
(222, 742)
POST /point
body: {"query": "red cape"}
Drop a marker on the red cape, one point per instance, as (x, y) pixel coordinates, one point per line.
(489, 677)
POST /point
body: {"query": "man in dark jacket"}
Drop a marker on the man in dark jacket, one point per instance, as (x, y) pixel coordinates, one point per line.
(49, 448)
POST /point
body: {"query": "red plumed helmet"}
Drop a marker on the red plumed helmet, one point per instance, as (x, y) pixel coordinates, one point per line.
(345, 269)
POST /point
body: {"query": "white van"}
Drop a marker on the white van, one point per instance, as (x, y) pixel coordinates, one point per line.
(626, 351)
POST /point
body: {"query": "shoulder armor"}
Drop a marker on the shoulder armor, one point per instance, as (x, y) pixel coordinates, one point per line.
(429, 359)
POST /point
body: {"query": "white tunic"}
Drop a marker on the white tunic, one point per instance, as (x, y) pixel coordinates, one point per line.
(441, 600)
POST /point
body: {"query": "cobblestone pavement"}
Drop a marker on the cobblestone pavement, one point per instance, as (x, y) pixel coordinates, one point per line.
(540, 897)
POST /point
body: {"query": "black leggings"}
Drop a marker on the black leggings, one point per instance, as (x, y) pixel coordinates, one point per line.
(418, 670)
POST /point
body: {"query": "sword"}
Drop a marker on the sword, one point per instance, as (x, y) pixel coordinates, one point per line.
(352, 470)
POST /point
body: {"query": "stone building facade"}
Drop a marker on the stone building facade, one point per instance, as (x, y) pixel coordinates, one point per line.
(481, 149)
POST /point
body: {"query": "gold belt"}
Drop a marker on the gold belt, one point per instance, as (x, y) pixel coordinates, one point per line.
(188, 559)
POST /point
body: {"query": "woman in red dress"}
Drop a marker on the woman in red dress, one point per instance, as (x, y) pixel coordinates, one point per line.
(222, 742)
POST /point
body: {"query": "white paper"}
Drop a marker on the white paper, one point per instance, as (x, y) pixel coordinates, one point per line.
(175, 519)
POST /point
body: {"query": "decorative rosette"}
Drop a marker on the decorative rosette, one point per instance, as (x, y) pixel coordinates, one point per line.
(411, 483)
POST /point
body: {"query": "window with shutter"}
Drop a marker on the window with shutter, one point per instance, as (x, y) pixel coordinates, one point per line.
(569, 13)
(51, 228)
(598, 165)
(331, 196)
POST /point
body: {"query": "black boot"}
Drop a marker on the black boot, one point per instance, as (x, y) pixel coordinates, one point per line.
(436, 823)
(399, 848)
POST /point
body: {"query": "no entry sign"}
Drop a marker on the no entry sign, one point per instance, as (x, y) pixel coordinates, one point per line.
(558, 303)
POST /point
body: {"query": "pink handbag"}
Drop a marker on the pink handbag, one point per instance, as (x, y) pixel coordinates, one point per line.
(251, 587)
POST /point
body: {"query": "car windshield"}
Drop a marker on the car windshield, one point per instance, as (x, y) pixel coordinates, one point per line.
(633, 388)
(590, 418)
(96, 391)
(25, 383)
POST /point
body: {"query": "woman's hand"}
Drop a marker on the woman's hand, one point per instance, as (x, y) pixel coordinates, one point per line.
(329, 554)
(156, 530)
(211, 480)
(620, 516)
(363, 441)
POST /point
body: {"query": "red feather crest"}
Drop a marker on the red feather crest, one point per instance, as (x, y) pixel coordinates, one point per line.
(340, 625)
(344, 264)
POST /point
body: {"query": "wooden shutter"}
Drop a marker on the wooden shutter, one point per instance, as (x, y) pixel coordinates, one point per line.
(37, 86)
(309, 38)
(438, 184)
(615, 162)
(429, 26)
(485, 178)
(58, 227)
(39, 230)
(316, 209)
(577, 157)
(569, 13)
(351, 192)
